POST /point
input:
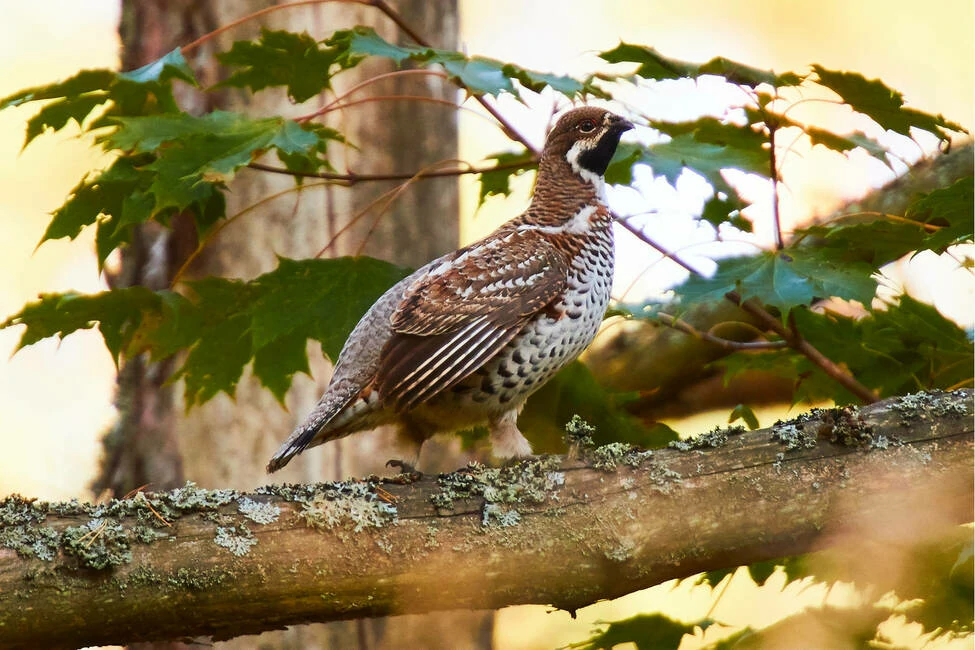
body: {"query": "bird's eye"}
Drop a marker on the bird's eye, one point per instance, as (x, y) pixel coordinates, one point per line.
(587, 126)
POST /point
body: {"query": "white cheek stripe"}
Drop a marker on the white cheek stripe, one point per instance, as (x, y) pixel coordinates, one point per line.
(573, 157)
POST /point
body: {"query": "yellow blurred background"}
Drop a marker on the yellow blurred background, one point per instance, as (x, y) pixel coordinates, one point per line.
(55, 399)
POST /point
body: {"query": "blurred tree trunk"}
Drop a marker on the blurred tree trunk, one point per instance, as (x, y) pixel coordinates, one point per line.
(227, 441)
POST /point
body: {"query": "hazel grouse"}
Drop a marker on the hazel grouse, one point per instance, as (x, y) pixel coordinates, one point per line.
(467, 338)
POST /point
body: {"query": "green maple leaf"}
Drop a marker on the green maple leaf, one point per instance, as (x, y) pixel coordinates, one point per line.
(882, 104)
(477, 74)
(847, 143)
(149, 89)
(950, 209)
(105, 193)
(170, 66)
(224, 324)
(74, 99)
(498, 181)
(281, 58)
(787, 279)
(654, 65)
(645, 632)
(201, 152)
(117, 314)
(301, 296)
(878, 240)
(276, 364)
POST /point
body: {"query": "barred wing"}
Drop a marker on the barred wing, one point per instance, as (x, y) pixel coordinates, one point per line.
(463, 311)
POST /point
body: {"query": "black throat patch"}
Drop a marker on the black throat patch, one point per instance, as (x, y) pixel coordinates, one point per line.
(597, 159)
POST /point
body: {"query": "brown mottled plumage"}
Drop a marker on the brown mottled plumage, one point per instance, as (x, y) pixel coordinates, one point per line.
(467, 338)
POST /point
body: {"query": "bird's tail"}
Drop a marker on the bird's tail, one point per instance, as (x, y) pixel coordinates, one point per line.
(297, 442)
(313, 431)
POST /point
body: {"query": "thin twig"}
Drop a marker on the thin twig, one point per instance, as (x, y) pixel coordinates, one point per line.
(257, 14)
(776, 218)
(226, 222)
(397, 192)
(363, 84)
(727, 344)
(351, 178)
(354, 220)
(639, 234)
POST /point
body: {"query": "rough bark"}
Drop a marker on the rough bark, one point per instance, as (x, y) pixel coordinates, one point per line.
(550, 530)
(670, 368)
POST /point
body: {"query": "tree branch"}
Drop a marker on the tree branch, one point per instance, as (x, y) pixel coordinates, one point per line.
(193, 562)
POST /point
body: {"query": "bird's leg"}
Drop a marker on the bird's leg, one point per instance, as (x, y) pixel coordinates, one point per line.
(409, 437)
(506, 440)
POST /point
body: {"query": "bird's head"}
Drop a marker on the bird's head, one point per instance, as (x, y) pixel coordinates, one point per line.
(586, 138)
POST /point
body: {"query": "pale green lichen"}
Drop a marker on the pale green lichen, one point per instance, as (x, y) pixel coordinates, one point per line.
(352, 504)
(527, 482)
(579, 438)
(99, 544)
(260, 513)
(662, 478)
(608, 457)
(494, 515)
(237, 539)
(31, 540)
(793, 434)
(621, 552)
(295, 492)
(847, 427)
(937, 403)
(716, 437)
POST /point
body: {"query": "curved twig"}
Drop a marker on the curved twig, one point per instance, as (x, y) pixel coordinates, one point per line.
(727, 344)
(226, 222)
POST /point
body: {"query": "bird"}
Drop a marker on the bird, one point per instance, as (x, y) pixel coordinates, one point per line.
(465, 339)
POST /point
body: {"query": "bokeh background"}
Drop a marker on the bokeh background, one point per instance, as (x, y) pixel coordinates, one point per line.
(55, 398)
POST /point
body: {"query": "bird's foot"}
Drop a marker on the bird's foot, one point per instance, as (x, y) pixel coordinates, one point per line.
(403, 466)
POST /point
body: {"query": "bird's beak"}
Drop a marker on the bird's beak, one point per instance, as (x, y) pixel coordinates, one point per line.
(620, 124)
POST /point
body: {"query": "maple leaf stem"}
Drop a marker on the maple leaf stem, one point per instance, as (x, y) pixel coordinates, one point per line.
(352, 178)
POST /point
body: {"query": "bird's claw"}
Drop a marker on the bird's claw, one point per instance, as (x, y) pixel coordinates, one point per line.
(403, 466)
